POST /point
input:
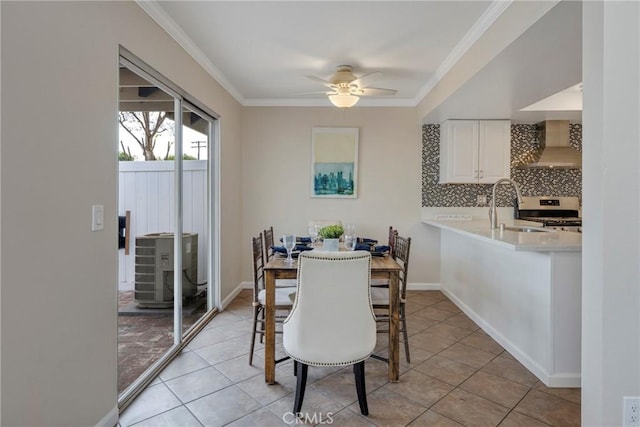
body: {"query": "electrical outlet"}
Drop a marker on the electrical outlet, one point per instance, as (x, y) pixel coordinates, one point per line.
(481, 200)
(631, 412)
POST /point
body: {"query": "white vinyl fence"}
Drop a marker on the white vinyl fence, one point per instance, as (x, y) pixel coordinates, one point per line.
(147, 190)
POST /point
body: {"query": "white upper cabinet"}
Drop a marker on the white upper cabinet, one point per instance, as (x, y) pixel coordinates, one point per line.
(474, 151)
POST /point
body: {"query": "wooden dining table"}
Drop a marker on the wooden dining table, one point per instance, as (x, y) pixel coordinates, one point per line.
(381, 267)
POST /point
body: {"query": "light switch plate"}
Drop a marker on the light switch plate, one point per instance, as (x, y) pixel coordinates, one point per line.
(97, 217)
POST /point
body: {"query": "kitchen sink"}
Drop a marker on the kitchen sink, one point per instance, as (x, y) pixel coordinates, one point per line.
(528, 229)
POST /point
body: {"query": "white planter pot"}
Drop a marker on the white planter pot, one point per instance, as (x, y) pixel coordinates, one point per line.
(330, 244)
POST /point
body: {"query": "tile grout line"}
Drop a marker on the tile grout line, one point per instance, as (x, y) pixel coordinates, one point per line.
(517, 412)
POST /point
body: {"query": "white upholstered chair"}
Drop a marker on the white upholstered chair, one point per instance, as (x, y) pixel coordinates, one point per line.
(283, 302)
(332, 321)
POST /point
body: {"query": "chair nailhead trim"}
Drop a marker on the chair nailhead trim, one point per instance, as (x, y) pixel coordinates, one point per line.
(346, 363)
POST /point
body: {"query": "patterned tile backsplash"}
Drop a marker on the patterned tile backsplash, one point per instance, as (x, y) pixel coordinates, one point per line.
(533, 182)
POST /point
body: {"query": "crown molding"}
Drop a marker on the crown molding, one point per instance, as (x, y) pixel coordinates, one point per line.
(151, 8)
(485, 21)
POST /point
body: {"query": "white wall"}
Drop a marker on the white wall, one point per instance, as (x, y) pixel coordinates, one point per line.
(611, 210)
(277, 161)
(59, 156)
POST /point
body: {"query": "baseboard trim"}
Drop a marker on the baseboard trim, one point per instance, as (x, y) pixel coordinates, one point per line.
(423, 286)
(550, 380)
(109, 420)
(565, 380)
(224, 303)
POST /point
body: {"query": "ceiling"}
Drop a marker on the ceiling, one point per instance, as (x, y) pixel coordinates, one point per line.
(261, 51)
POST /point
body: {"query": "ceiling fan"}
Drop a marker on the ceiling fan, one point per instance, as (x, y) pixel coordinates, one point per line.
(347, 88)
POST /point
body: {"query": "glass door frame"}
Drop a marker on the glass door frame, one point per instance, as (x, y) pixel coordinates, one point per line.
(181, 338)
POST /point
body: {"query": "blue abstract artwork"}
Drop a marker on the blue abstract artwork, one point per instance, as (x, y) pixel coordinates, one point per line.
(333, 178)
(334, 162)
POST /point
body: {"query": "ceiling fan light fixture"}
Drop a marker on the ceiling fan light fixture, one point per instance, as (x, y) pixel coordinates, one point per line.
(343, 100)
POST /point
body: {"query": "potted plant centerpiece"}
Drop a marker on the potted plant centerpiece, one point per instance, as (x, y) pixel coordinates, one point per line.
(331, 236)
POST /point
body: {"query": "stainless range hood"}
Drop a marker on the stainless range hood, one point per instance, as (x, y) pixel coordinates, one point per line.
(555, 151)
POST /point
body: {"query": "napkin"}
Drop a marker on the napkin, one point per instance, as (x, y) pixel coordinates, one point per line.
(362, 247)
(365, 240)
(381, 248)
(282, 250)
(300, 239)
(375, 250)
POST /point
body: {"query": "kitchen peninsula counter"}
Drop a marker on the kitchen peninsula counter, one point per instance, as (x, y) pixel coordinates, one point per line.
(523, 289)
(480, 229)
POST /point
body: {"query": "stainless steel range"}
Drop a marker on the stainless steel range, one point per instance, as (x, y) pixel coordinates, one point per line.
(558, 213)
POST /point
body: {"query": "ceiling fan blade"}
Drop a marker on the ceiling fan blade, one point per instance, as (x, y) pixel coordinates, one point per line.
(372, 91)
(361, 81)
(321, 81)
(317, 92)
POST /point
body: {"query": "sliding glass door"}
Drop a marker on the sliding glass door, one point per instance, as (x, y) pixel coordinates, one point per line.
(166, 207)
(145, 202)
(195, 207)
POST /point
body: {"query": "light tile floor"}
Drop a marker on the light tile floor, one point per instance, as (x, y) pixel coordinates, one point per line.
(458, 376)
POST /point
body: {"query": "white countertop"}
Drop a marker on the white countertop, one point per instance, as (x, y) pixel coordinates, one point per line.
(552, 241)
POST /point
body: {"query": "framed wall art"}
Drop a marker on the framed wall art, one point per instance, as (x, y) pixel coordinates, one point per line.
(334, 162)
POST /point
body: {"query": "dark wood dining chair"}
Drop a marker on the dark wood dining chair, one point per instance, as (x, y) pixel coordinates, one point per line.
(283, 301)
(332, 322)
(391, 242)
(268, 243)
(380, 295)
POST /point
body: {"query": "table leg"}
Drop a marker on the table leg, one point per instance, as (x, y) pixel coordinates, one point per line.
(394, 327)
(270, 328)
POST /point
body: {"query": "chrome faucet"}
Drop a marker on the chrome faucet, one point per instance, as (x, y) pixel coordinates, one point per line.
(493, 214)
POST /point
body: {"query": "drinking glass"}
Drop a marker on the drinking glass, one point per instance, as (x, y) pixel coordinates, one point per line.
(349, 229)
(350, 242)
(313, 234)
(289, 242)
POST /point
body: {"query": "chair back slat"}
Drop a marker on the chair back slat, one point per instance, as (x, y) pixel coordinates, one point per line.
(268, 243)
(392, 240)
(258, 265)
(401, 255)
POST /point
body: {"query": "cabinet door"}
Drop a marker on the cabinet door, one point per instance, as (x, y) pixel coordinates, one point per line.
(459, 151)
(495, 150)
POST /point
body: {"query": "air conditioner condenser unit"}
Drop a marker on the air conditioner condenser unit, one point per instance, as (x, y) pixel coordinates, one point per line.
(154, 269)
